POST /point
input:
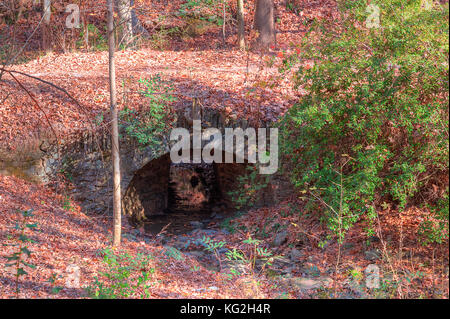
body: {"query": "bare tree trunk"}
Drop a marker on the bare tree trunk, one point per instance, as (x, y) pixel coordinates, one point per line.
(241, 26)
(126, 26)
(138, 28)
(264, 22)
(117, 209)
(46, 37)
(224, 22)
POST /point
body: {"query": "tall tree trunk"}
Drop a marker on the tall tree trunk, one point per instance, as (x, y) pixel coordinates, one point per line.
(138, 28)
(45, 28)
(126, 26)
(264, 22)
(241, 25)
(117, 209)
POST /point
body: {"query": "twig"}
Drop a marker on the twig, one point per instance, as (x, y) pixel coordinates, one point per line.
(21, 49)
(39, 107)
(163, 230)
(62, 90)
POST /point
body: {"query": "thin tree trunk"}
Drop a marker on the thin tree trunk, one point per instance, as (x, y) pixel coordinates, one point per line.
(223, 26)
(264, 22)
(138, 28)
(126, 27)
(117, 209)
(241, 26)
(46, 39)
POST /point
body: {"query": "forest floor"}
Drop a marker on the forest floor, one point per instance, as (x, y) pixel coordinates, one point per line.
(240, 84)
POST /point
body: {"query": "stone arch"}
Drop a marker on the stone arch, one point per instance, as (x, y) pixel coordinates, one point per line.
(150, 191)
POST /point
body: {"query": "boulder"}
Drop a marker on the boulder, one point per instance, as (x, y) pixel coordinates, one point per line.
(196, 224)
(306, 283)
(280, 238)
(372, 255)
(295, 254)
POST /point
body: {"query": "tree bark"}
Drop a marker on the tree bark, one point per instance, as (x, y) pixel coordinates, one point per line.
(45, 28)
(126, 26)
(138, 28)
(117, 209)
(264, 22)
(241, 25)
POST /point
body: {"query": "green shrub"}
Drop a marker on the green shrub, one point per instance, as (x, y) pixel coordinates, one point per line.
(208, 10)
(151, 126)
(126, 276)
(375, 97)
(435, 229)
(160, 39)
(96, 40)
(16, 260)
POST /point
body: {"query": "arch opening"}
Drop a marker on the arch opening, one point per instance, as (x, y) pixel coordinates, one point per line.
(180, 195)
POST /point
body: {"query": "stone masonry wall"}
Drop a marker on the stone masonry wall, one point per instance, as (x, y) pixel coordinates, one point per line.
(86, 163)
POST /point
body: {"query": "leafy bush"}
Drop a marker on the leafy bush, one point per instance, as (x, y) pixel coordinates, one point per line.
(160, 39)
(248, 253)
(126, 276)
(376, 97)
(436, 229)
(16, 260)
(96, 40)
(151, 126)
(251, 187)
(210, 10)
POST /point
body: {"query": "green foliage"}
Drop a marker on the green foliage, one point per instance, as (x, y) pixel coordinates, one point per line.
(248, 253)
(250, 188)
(174, 253)
(52, 281)
(210, 10)
(435, 229)
(229, 224)
(126, 276)
(211, 245)
(376, 96)
(293, 6)
(67, 204)
(151, 126)
(16, 259)
(96, 40)
(161, 38)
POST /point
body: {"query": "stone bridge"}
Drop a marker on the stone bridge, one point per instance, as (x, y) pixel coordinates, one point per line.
(145, 172)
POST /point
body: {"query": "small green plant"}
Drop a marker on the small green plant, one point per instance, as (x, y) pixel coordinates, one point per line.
(52, 280)
(174, 253)
(67, 204)
(229, 224)
(195, 268)
(212, 246)
(126, 276)
(293, 6)
(257, 252)
(16, 259)
(209, 10)
(160, 39)
(152, 125)
(250, 188)
(248, 255)
(356, 275)
(96, 39)
(435, 229)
